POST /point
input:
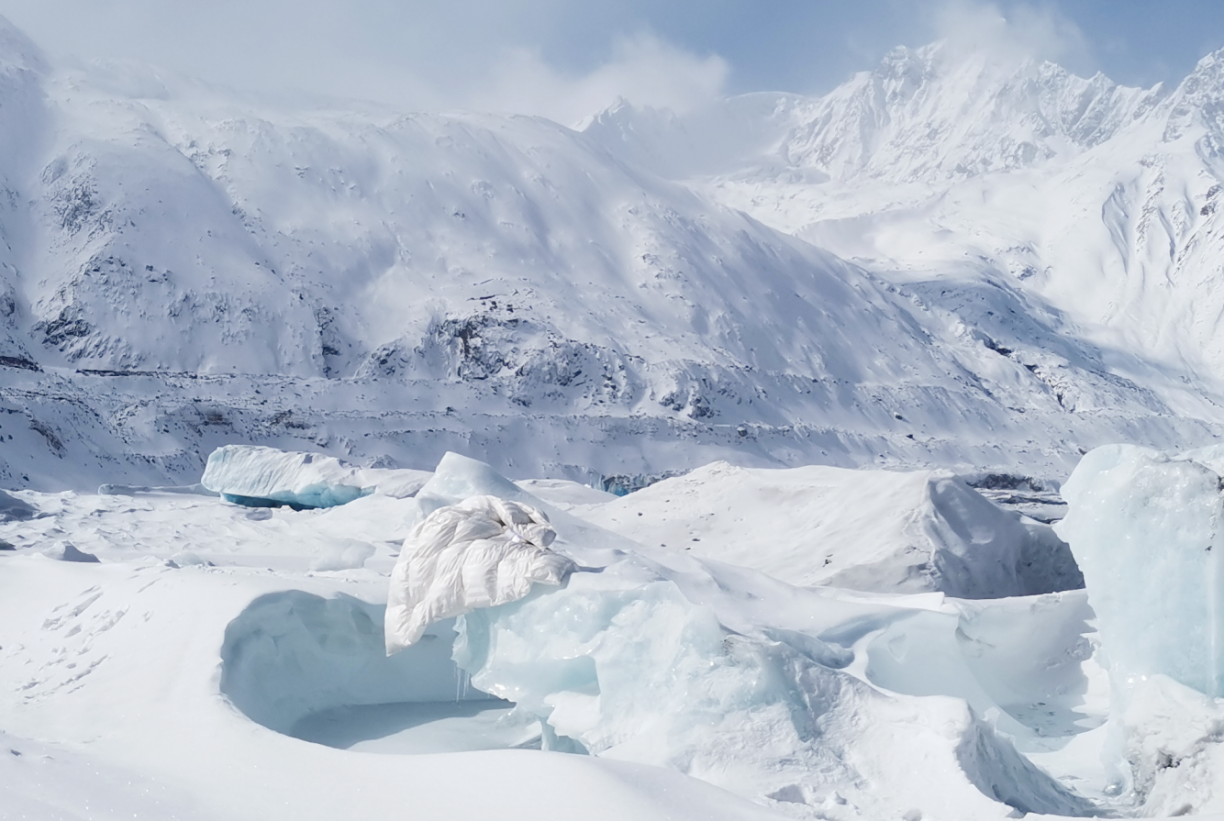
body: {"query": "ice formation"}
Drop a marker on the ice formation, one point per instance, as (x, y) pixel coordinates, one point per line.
(482, 552)
(629, 663)
(1148, 532)
(292, 654)
(262, 476)
(881, 531)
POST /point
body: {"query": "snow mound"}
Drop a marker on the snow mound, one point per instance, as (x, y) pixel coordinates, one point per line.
(344, 554)
(482, 552)
(13, 509)
(564, 494)
(1145, 528)
(878, 531)
(262, 477)
(1172, 749)
(457, 478)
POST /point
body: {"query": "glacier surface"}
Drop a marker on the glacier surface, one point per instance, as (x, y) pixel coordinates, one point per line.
(263, 657)
(950, 261)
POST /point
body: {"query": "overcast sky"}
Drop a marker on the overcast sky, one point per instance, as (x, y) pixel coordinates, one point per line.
(567, 58)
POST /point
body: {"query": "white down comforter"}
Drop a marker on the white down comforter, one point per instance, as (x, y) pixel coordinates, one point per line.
(481, 552)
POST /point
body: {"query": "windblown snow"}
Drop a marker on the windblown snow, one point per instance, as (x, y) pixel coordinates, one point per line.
(788, 388)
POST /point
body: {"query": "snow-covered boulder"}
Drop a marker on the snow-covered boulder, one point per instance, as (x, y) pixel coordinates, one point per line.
(1146, 529)
(260, 476)
(482, 552)
(879, 531)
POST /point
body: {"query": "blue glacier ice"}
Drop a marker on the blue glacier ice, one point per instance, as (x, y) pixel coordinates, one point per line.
(630, 663)
(1147, 530)
(266, 477)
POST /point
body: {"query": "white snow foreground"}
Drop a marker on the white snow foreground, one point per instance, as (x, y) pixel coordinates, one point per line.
(669, 670)
(262, 476)
(482, 552)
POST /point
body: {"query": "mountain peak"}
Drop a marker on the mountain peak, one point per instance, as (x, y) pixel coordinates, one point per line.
(943, 112)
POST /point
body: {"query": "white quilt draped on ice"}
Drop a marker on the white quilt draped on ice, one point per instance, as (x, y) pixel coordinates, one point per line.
(481, 552)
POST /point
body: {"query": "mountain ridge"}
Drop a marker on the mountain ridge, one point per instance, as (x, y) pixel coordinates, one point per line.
(196, 271)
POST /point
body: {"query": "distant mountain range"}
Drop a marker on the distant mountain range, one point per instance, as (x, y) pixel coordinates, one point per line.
(948, 261)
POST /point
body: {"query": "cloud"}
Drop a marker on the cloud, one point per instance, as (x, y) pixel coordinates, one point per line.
(644, 70)
(1013, 33)
(558, 58)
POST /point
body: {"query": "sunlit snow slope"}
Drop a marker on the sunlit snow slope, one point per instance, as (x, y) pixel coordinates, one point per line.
(182, 270)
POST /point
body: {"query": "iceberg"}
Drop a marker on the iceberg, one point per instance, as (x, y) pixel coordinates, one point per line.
(482, 552)
(1147, 529)
(266, 477)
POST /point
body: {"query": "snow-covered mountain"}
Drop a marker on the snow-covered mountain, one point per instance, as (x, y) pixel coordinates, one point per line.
(182, 268)
(1092, 204)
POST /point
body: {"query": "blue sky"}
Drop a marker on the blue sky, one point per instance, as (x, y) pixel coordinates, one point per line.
(810, 45)
(564, 58)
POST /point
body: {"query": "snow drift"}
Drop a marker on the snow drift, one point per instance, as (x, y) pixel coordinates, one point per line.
(866, 530)
(13, 509)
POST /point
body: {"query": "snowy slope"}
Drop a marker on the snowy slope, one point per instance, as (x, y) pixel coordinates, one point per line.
(187, 270)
